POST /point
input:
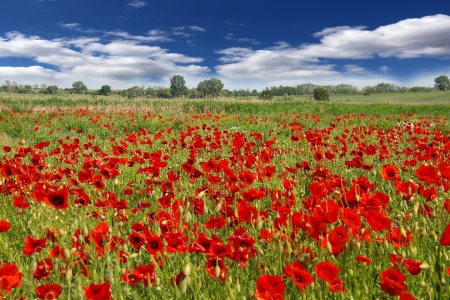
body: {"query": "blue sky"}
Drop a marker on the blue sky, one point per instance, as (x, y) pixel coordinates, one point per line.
(247, 44)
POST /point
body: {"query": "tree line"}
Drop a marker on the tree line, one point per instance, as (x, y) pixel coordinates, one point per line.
(213, 87)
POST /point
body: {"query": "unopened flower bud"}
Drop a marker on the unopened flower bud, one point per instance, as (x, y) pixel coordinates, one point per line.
(187, 269)
(424, 266)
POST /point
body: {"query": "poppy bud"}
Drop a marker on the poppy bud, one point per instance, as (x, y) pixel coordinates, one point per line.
(413, 250)
(218, 207)
(66, 253)
(403, 232)
(111, 275)
(187, 269)
(434, 236)
(416, 208)
(238, 285)
(134, 255)
(424, 266)
(184, 284)
(276, 235)
(69, 274)
(217, 270)
(187, 216)
(329, 248)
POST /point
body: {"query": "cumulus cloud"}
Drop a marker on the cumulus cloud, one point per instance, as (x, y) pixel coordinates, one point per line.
(120, 61)
(137, 4)
(384, 68)
(411, 38)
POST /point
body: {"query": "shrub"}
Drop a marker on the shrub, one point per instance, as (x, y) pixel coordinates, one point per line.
(366, 94)
(265, 95)
(321, 94)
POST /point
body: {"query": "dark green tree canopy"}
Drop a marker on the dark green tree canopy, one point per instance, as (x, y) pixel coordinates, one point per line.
(210, 87)
(265, 95)
(442, 83)
(79, 87)
(52, 89)
(178, 86)
(321, 94)
(105, 90)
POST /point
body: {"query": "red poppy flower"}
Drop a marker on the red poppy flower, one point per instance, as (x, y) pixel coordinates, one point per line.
(351, 218)
(247, 177)
(43, 269)
(427, 174)
(33, 245)
(376, 220)
(336, 285)
(326, 270)
(57, 199)
(19, 201)
(298, 274)
(176, 242)
(445, 238)
(100, 238)
(215, 222)
(216, 268)
(447, 205)
(218, 250)
(389, 172)
(392, 282)
(269, 287)
(100, 291)
(48, 291)
(146, 273)
(412, 266)
(444, 168)
(4, 225)
(154, 244)
(363, 259)
(57, 252)
(10, 277)
(130, 278)
(136, 240)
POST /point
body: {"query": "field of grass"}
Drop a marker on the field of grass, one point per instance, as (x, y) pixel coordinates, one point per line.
(110, 198)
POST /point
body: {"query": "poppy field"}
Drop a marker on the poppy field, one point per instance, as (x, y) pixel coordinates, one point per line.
(141, 204)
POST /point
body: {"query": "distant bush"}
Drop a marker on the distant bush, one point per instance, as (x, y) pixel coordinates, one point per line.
(321, 94)
(265, 95)
(366, 94)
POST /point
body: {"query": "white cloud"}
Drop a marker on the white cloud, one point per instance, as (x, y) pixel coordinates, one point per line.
(137, 4)
(154, 35)
(186, 31)
(355, 69)
(384, 68)
(121, 62)
(230, 36)
(422, 37)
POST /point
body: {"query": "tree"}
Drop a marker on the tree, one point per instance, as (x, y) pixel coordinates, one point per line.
(52, 89)
(79, 87)
(178, 86)
(442, 83)
(321, 94)
(210, 87)
(265, 95)
(105, 90)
